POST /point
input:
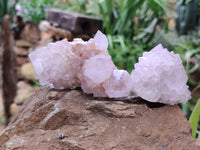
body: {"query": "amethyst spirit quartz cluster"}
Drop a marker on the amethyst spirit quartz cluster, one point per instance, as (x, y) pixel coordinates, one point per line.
(159, 76)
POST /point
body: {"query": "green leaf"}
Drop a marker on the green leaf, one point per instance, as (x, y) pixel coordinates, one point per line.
(162, 4)
(194, 118)
(110, 42)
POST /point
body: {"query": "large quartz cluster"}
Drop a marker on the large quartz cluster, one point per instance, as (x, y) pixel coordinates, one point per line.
(158, 77)
(87, 64)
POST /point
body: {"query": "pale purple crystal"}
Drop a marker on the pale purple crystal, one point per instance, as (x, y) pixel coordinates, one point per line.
(118, 85)
(98, 68)
(159, 76)
(101, 41)
(54, 64)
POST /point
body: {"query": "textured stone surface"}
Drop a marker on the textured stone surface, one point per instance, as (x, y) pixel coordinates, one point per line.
(69, 119)
(159, 76)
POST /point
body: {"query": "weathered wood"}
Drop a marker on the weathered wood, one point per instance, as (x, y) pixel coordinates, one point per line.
(9, 67)
(76, 23)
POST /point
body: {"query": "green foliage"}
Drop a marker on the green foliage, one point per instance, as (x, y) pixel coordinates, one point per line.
(34, 10)
(2, 120)
(129, 17)
(122, 17)
(124, 52)
(36, 83)
(78, 6)
(194, 119)
(7, 7)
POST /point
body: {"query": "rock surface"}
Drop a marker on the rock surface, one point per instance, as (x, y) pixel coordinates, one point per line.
(70, 119)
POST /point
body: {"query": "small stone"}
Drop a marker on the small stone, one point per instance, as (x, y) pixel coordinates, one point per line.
(21, 51)
(23, 43)
(27, 71)
(24, 90)
(52, 95)
(21, 60)
(14, 108)
(44, 25)
(30, 33)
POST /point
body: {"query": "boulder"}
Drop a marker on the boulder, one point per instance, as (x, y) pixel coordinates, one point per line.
(21, 51)
(70, 119)
(31, 33)
(14, 108)
(23, 44)
(74, 22)
(21, 60)
(24, 90)
(27, 71)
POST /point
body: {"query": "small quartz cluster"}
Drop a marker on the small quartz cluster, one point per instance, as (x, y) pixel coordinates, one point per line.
(158, 77)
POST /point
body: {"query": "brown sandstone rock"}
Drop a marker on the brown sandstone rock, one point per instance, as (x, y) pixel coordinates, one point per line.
(74, 22)
(31, 33)
(69, 119)
(21, 61)
(21, 51)
(23, 44)
(14, 108)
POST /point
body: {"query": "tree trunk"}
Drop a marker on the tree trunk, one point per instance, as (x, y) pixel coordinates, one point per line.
(9, 67)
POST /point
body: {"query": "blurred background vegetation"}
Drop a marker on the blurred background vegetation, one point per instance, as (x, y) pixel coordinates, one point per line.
(133, 27)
